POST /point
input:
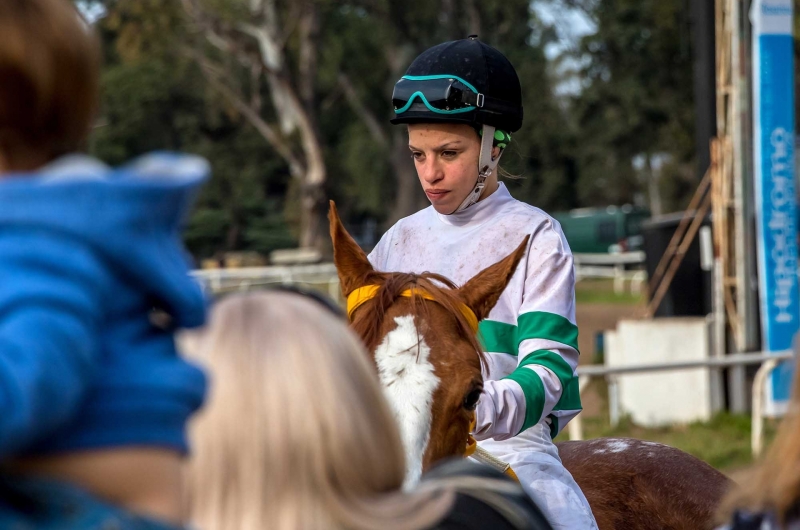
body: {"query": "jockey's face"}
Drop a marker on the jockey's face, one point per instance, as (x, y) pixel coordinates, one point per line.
(446, 157)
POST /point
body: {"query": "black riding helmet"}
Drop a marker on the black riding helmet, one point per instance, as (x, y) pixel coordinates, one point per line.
(461, 81)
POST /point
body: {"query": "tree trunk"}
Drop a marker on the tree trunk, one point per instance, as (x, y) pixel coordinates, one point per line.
(653, 189)
(312, 204)
(408, 192)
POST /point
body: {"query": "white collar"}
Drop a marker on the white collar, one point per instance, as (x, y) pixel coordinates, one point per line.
(480, 211)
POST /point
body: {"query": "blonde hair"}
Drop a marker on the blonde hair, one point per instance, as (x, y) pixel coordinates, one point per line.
(296, 433)
(774, 485)
(49, 81)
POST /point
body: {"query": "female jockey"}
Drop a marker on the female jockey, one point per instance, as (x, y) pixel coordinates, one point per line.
(460, 101)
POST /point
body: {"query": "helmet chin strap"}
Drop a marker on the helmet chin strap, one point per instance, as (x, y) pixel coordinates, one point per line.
(486, 165)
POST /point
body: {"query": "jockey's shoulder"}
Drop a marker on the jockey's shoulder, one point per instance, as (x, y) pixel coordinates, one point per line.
(484, 498)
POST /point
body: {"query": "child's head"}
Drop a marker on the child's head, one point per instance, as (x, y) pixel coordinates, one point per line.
(49, 77)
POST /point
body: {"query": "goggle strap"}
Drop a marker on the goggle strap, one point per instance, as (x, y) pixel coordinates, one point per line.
(488, 103)
(485, 168)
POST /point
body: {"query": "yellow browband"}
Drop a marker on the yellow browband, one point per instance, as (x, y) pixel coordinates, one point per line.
(368, 292)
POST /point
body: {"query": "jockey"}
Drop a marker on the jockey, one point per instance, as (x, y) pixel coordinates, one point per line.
(461, 101)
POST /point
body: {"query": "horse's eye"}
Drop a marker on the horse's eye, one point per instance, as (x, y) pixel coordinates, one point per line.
(471, 400)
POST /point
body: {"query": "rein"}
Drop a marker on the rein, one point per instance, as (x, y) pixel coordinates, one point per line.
(364, 294)
(474, 451)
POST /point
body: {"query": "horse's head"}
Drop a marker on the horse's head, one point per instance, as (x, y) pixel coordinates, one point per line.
(421, 332)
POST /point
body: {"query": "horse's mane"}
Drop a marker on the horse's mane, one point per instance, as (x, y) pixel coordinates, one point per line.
(368, 323)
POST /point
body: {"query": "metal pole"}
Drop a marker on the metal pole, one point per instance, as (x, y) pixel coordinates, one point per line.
(619, 279)
(613, 400)
(757, 418)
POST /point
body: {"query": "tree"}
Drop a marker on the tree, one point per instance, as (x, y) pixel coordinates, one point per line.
(635, 114)
(155, 98)
(213, 78)
(246, 46)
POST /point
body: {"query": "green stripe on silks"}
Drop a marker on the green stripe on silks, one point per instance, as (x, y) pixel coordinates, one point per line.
(499, 337)
(533, 388)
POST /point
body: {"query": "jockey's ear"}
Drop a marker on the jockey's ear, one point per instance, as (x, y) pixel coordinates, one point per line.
(483, 291)
(351, 262)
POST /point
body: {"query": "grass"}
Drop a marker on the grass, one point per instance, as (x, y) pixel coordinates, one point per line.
(601, 291)
(723, 442)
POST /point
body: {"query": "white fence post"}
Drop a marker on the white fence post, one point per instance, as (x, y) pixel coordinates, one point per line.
(613, 400)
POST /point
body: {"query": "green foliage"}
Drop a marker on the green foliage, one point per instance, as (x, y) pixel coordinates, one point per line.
(155, 99)
(570, 152)
(637, 99)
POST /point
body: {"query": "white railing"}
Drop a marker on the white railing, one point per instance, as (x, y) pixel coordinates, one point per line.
(612, 266)
(224, 280)
(622, 258)
(768, 362)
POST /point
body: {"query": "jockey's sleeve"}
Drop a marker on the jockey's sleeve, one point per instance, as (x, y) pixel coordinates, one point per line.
(49, 317)
(544, 385)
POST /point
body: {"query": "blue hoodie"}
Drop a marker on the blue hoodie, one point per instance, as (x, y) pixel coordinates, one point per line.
(86, 252)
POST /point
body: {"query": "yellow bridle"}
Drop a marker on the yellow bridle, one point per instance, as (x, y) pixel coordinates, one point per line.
(364, 294)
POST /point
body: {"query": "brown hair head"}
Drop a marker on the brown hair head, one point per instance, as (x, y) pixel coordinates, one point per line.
(49, 67)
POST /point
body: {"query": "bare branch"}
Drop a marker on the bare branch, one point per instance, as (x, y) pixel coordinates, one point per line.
(474, 18)
(307, 68)
(212, 71)
(270, 46)
(255, 87)
(292, 20)
(362, 111)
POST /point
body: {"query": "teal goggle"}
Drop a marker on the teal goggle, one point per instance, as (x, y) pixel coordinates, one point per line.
(443, 94)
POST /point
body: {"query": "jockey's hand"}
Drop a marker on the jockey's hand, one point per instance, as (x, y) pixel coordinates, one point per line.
(500, 413)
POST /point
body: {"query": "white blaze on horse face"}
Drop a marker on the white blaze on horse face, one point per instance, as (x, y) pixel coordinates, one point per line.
(409, 382)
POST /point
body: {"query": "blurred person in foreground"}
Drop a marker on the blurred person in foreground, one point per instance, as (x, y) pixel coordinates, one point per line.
(769, 498)
(296, 434)
(93, 397)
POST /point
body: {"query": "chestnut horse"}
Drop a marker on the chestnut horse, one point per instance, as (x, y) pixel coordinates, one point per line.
(420, 331)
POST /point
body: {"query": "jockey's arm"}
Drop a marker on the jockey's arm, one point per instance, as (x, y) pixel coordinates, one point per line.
(544, 385)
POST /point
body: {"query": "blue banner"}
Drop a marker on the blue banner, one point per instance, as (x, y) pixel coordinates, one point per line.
(774, 170)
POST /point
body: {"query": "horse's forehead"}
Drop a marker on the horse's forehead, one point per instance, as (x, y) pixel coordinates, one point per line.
(431, 319)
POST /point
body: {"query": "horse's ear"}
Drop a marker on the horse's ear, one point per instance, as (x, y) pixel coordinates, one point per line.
(351, 262)
(483, 291)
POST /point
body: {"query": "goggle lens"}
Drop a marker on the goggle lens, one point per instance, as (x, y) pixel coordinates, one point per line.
(445, 94)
